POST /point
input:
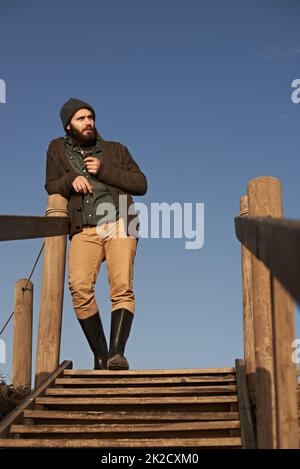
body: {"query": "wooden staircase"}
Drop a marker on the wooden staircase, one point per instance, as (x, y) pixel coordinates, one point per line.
(195, 408)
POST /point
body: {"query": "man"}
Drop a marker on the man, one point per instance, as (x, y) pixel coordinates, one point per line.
(94, 175)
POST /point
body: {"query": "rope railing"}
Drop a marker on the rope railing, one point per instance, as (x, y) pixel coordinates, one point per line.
(24, 288)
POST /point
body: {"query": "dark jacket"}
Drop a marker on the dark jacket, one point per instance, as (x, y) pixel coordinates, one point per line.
(118, 171)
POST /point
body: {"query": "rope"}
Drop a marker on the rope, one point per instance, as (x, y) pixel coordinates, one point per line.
(24, 288)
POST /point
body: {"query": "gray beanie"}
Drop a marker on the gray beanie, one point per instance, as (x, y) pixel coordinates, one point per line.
(70, 107)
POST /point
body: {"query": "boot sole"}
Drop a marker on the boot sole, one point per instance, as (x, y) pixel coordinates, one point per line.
(117, 363)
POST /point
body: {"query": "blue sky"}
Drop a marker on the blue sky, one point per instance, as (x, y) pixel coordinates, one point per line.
(200, 93)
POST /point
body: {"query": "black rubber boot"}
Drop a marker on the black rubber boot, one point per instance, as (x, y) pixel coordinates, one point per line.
(121, 320)
(93, 330)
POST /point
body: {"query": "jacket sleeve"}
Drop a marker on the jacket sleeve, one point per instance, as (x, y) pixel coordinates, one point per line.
(126, 176)
(58, 180)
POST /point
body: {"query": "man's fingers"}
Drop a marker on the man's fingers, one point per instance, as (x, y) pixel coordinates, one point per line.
(82, 185)
(88, 187)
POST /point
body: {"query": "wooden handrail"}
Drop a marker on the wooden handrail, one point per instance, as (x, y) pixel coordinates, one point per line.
(276, 242)
(13, 227)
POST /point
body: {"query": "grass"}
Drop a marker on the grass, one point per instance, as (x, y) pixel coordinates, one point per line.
(10, 396)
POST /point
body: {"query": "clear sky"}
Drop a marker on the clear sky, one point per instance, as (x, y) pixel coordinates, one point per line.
(200, 93)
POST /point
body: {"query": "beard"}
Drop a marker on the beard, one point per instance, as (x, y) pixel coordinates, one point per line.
(83, 139)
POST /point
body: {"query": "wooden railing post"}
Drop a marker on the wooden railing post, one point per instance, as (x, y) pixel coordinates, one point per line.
(275, 380)
(249, 348)
(48, 347)
(22, 343)
(264, 199)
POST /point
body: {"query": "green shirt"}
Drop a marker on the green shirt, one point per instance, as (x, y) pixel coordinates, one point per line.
(100, 192)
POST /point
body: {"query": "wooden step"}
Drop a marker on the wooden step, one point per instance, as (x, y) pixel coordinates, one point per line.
(125, 391)
(171, 372)
(232, 442)
(176, 400)
(121, 428)
(147, 381)
(129, 416)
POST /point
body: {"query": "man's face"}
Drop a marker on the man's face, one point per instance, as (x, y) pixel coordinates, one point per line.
(82, 127)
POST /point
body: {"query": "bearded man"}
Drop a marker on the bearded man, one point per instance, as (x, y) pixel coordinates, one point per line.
(94, 174)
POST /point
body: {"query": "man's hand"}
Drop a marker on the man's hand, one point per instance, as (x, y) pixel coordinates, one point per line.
(92, 164)
(81, 184)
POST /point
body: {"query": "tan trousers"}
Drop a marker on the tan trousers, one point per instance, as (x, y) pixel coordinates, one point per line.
(88, 249)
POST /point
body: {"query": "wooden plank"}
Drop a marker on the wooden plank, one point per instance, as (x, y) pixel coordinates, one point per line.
(16, 415)
(132, 416)
(13, 227)
(144, 381)
(281, 253)
(158, 372)
(134, 400)
(122, 443)
(141, 390)
(248, 437)
(136, 428)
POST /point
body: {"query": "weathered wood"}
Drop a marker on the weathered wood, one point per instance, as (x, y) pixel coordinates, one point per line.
(53, 281)
(248, 437)
(135, 400)
(185, 390)
(264, 199)
(13, 227)
(129, 416)
(274, 244)
(149, 373)
(170, 415)
(127, 428)
(248, 328)
(281, 251)
(285, 369)
(145, 381)
(16, 415)
(22, 342)
(122, 443)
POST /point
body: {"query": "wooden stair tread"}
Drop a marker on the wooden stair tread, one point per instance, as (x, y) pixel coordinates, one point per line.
(141, 390)
(133, 428)
(136, 400)
(121, 443)
(136, 416)
(94, 380)
(171, 372)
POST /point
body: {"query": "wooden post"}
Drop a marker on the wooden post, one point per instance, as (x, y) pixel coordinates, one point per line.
(249, 349)
(48, 347)
(22, 344)
(285, 368)
(264, 199)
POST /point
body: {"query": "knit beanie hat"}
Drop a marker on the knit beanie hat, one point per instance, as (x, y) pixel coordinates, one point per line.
(70, 107)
